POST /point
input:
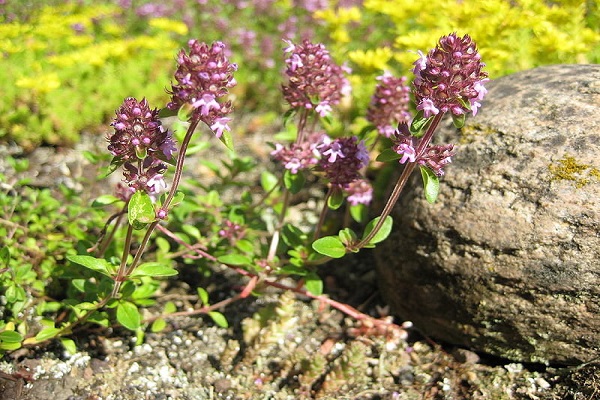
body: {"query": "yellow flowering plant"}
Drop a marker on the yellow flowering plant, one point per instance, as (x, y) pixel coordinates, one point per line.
(512, 35)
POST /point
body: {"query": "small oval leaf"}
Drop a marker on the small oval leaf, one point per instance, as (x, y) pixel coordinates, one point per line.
(47, 333)
(141, 210)
(383, 232)
(93, 263)
(219, 319)
(158, 325)
(153, 269)
(128, 315)
(431, 184)
(293, 182)
(388, 155)
(235, 259)
(10, 337)
(330, 246)
(69, 345)
(314, 284)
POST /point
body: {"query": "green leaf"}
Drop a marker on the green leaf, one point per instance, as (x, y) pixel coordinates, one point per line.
(100, 318)
(114, 164)
(153, 269)
(313, 284)
(293, 182)
(192, 231)
(158, 325)
(177, 199)
(459, 120)
(289, 114)
(10, 346)
(431, 184)
(235, 259)
(418, 125)
(227, 140)
(293, 236)
(383, 232)
(364, 132)
(388, 155)
(4, 256)
(11, 337)
(219, 319)
(46, 333)
(330, 246)
(128, 315)
(292, 269)
(169, 308)
(359, 212)
(105, 200)
(336, 199)
(347, 236)
(203, 294)
(93, 263)
(69, 345)
(162, 244)
(141, 210)
(268, 181)
(166, 112)
(185, 112)
(245, 246)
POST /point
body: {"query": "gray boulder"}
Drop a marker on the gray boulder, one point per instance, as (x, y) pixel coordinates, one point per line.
(507, 261)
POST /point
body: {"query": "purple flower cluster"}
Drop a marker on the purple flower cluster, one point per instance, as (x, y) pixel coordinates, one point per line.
(315, 81)
(303, 155)
(342, 160)
(449, 78)
(436, 157)
(204, 76)
(140, 143)
(389, 104)
(138, 132)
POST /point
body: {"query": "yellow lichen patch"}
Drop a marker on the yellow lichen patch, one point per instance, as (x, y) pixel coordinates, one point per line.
(569, 169)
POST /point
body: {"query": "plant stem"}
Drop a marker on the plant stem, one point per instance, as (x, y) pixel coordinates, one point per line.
(123, 267)
(323, 213)
(105, 242)
(286, 192)
(401, 183)
(125, 272)
(180, 160)
(277, 232)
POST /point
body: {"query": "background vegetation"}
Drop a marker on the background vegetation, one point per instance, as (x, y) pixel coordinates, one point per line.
(67, 64)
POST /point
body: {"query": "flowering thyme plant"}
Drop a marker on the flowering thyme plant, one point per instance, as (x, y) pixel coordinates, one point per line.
(254, 235)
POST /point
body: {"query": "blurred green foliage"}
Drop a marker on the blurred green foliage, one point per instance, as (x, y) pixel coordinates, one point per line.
(66, 65)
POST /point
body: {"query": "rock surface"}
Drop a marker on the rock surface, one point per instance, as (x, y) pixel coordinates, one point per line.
(507, 261)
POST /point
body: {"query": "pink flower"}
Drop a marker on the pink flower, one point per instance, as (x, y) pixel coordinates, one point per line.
(203, 77)
(346, 157)
(315, 81)
(450, 77)
(359, 191)
(389, 104)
